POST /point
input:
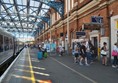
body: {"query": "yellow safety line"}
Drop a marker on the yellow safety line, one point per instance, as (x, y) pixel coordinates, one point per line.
(31, 69)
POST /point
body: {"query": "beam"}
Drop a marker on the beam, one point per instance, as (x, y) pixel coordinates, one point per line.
(4, 6)
(15, 3)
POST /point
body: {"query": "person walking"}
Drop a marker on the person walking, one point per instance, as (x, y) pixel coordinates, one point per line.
(83, 54)
(115, 55)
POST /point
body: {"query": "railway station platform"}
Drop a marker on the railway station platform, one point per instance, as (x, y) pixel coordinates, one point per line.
(56, 69)
(22, 70)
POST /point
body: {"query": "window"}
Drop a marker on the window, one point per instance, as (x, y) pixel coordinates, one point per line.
(6, 43)
(53, 18)
(11, 43)
(72, 3)
(66, 6)
(80, 1)
(58, 16)
(1, 43)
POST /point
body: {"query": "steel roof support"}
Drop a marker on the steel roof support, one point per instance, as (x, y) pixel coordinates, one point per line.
(57, 6)
(28, 7)
(8, 13)
(15, 3)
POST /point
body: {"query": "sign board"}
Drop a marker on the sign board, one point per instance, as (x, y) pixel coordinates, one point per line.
(96, 19)
(92, 26)
(81, 33)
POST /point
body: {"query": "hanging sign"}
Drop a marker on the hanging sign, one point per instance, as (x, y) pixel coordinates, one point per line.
(91, 26)
(81, 33)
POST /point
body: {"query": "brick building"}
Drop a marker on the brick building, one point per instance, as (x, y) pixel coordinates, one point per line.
(97, 18)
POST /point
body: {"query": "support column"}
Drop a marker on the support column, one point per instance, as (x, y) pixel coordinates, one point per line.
(68, 28)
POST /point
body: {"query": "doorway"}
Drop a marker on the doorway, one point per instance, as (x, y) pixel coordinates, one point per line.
(95, 44)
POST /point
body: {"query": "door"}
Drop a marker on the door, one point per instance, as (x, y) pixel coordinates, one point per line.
(95, 44)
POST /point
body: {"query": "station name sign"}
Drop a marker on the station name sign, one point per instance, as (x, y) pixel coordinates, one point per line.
(80, 33)
(92, 26)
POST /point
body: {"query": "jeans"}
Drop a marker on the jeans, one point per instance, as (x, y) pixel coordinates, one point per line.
(115, 61)
(89, 56)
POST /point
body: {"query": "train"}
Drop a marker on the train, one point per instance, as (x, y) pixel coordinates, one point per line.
(9, 48)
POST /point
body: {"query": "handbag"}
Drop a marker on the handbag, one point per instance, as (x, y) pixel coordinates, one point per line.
(114, 53)
(103, 52)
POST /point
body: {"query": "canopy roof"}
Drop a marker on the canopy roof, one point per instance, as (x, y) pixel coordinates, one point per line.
(26, 16)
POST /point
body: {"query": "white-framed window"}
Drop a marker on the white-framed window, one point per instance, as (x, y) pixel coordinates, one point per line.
(67, 4)
(80, 1)
(45, 25)
(53, 18)
(72, 3)
(58, 16)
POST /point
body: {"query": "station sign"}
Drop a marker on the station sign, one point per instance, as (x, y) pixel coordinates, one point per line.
(96, 19)
(92, 26)
(81, 33)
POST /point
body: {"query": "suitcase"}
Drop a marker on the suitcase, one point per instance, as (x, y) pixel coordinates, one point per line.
(40, 55)
(45, 55)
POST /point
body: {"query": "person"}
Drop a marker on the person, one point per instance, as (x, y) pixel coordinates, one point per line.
(61, 50)
(115, 60)
(83, 54)
(39, 48)
(76, 53)
(104, 54)
(88, 51)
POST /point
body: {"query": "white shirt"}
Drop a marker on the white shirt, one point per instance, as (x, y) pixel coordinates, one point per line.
(115, 48)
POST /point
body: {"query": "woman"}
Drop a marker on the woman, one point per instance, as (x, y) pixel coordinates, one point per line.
(115, 61)
(76, 53)
(104, 54)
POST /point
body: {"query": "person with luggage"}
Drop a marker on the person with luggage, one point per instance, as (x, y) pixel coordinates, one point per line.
(40, 53)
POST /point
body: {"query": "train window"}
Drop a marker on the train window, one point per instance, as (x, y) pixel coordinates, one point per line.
(11, 43)
(6, 43)
(1, 43)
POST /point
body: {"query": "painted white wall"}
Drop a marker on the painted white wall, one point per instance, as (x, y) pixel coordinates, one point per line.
(113, 30)
(102, 40)
(94, 33)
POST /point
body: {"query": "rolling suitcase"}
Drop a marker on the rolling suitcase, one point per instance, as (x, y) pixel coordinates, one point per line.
(45, 55)
(40, 55)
